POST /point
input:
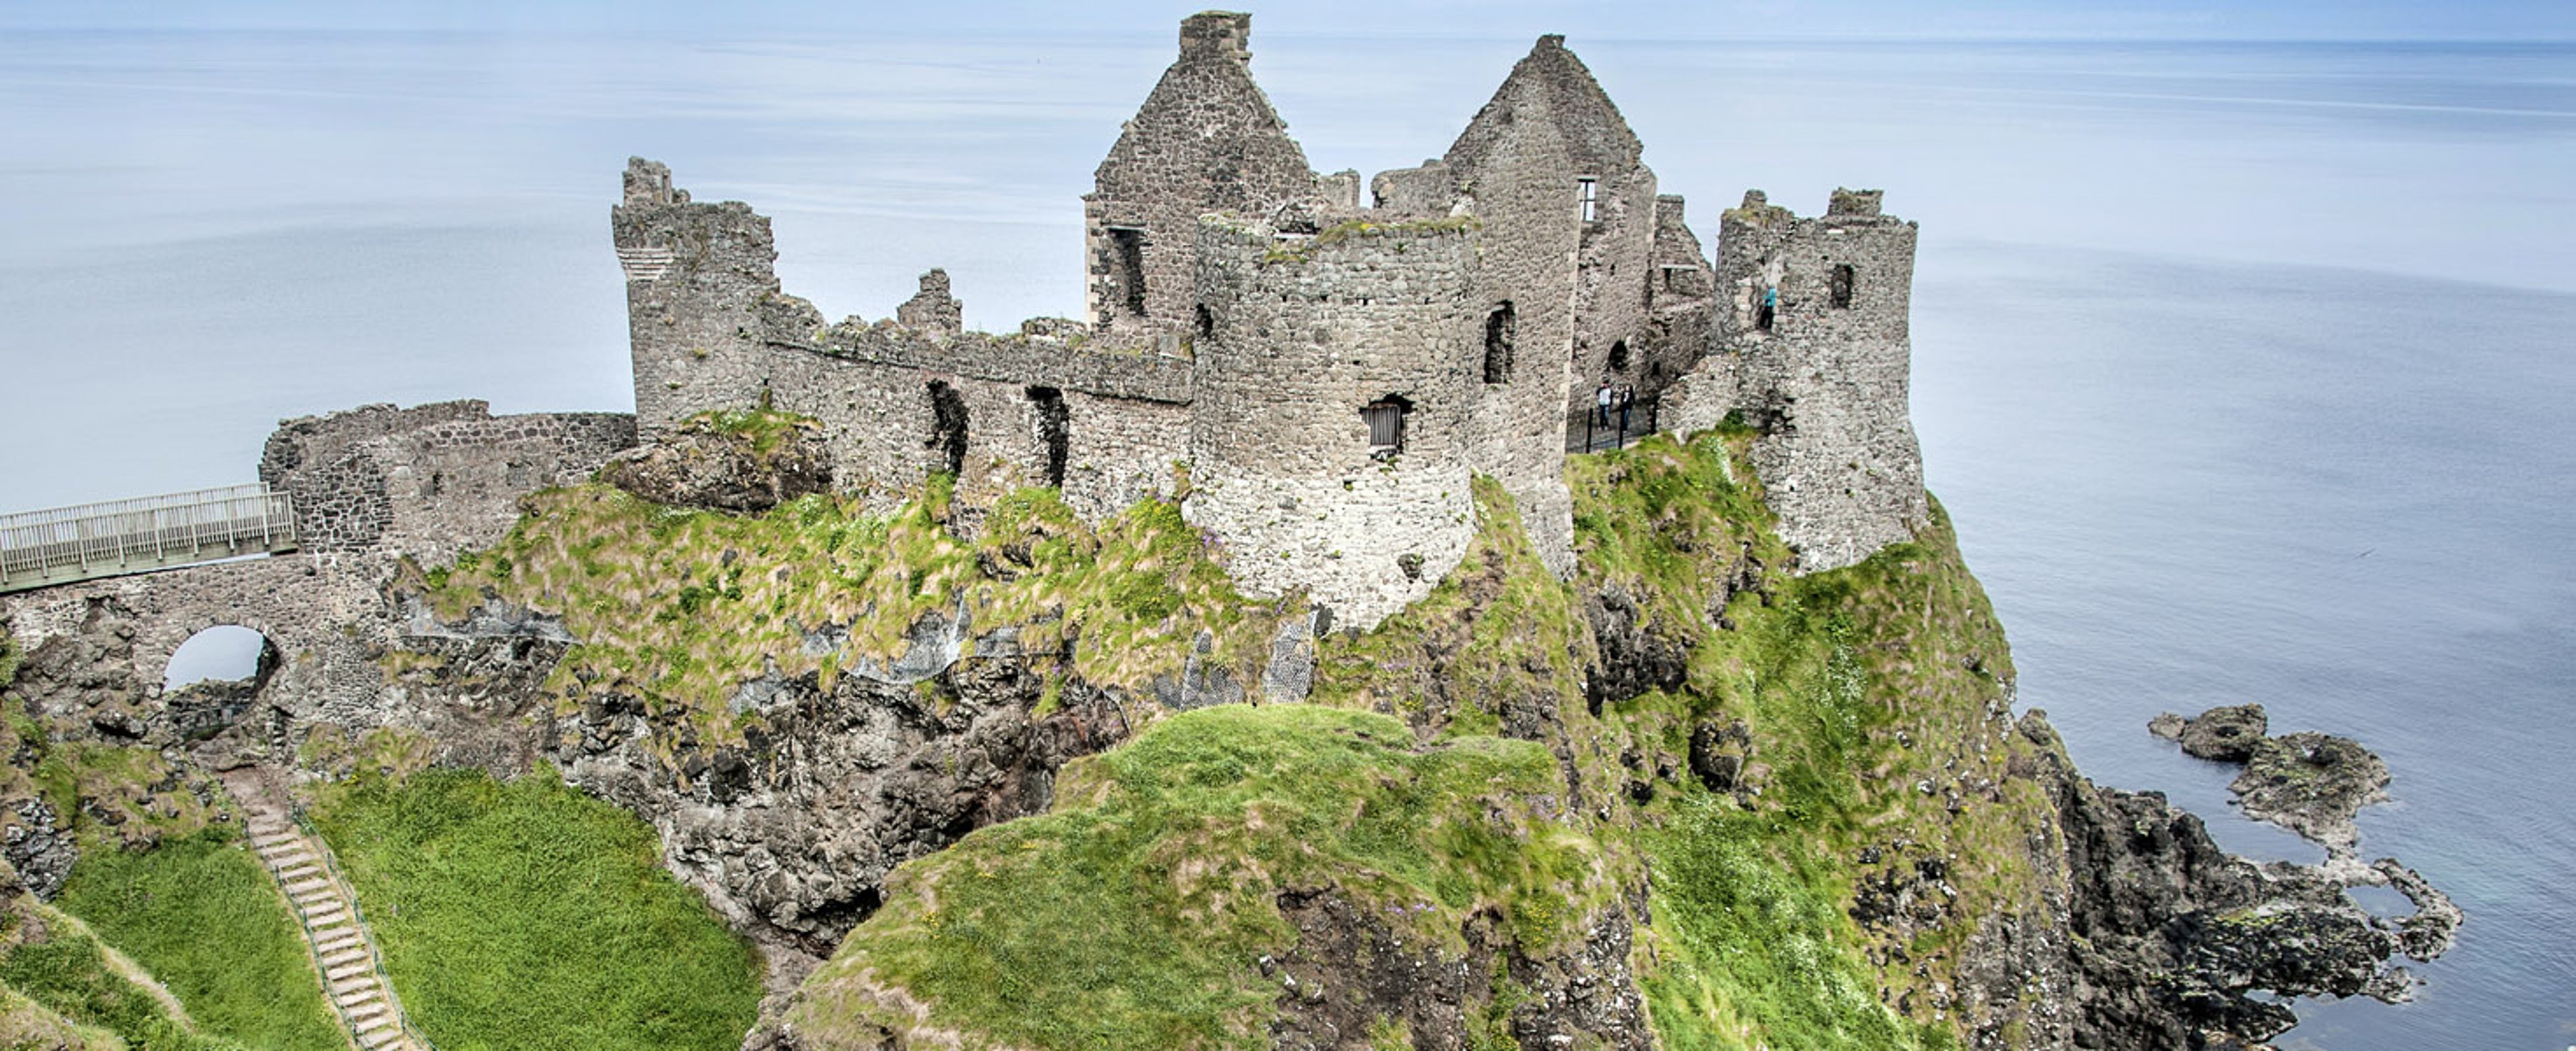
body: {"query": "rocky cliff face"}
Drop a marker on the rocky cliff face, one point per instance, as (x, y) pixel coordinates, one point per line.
(1731, 804)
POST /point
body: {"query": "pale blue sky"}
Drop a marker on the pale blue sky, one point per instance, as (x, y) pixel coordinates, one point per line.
(1713, 19)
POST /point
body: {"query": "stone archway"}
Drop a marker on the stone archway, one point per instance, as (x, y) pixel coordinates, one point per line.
(214, 678)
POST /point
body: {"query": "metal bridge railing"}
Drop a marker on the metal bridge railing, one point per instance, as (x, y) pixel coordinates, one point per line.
(93, 540)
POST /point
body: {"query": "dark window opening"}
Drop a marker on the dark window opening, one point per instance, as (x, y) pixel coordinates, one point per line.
(1842, 285)
(1619, 356)
(1055, 430)
(1206, 322)
(1127, 266)
(1588, 192)
(947, 427)
(1500, 327)
(1385, 418)
(1762, 315)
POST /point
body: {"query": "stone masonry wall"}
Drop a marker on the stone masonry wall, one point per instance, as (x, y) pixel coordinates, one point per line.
(1526, 242)
(873, 386)
(1305, 333)
(1205, 140)
(433, 476)
(1826, 384)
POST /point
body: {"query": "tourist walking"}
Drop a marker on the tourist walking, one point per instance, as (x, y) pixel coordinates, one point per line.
(1627, 397)
(1601, 403)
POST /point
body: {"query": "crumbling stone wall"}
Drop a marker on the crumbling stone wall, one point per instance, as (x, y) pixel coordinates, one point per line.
(1680, 303)
(1825, 382)
(1614, 264)
(1305, 333)
(1206, 140)
(437, 476)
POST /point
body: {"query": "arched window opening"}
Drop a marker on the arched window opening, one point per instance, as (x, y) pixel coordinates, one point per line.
(225, 653)
(1619, 356)
(1385, 418)
(947, 427)
(1055, 430)
(1842, 286)
(1499, 330)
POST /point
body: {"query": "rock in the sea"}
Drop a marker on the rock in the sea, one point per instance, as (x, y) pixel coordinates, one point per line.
(2227, 734)
(2312, 783)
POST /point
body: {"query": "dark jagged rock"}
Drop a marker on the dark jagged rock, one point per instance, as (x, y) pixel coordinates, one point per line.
(1351, 971)
(2227, 735)
(2312, 784)
(2170, 935)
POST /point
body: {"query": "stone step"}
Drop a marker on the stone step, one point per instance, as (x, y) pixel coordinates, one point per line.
(356, 968)
(355, 997)
(291, 868)
(301, 889)
(383, 1033)
(334, 943)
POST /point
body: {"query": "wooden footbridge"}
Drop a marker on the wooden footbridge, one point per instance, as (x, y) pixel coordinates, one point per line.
(69, 544)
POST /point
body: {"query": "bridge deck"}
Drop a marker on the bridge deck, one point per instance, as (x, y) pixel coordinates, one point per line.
(69, 544)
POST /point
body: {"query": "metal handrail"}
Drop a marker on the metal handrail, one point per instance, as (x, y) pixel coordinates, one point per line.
(366, 935)
(115, 533)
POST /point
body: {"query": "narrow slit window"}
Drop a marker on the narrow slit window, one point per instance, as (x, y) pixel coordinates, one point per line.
(1385, 425)
(1588, 192)
(1842, 286)
(1499, 327)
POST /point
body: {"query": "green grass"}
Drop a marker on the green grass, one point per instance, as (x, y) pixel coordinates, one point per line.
(205, 918)
(678, 607)
(51, 960)
(526, 915)
(1132, 914)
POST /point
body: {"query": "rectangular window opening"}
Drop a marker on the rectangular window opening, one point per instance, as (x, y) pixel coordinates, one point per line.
(1385, 425)
(1588, 191)
(1127, 267)
(1842, 286)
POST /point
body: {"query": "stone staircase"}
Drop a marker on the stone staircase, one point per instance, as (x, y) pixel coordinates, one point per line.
(336, 932)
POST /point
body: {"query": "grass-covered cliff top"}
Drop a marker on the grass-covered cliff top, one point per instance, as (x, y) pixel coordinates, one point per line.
(678, 608)
(1868, 706)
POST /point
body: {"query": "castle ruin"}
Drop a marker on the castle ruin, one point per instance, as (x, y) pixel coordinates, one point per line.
(1325, 377)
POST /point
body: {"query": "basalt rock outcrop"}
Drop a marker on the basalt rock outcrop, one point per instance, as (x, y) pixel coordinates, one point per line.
(2170, 937)
(2310, 783)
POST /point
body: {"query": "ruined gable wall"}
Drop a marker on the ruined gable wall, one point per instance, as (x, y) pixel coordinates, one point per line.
(1526, 242)
(1615, 263)
(1305, 334)
(1826, 386)
(1680, 307)
(1206, 139)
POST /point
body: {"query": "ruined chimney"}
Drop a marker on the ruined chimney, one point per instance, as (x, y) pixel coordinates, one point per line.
(1227, 33)
(649, 182)
(1855, 203)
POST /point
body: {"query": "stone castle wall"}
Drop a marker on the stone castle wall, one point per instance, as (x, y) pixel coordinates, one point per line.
(1305, 334)
(439, 477)
(1825, 382)
(1205, 140)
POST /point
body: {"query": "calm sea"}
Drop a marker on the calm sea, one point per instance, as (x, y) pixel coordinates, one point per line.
(2244, 368)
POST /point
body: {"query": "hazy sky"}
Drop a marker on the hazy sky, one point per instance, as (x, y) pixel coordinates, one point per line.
(1718, 19)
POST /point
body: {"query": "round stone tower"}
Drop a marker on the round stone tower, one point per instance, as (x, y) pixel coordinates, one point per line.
(1330, 417)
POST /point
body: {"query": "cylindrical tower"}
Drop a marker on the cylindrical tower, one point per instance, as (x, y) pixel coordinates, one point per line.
(1330, 414)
